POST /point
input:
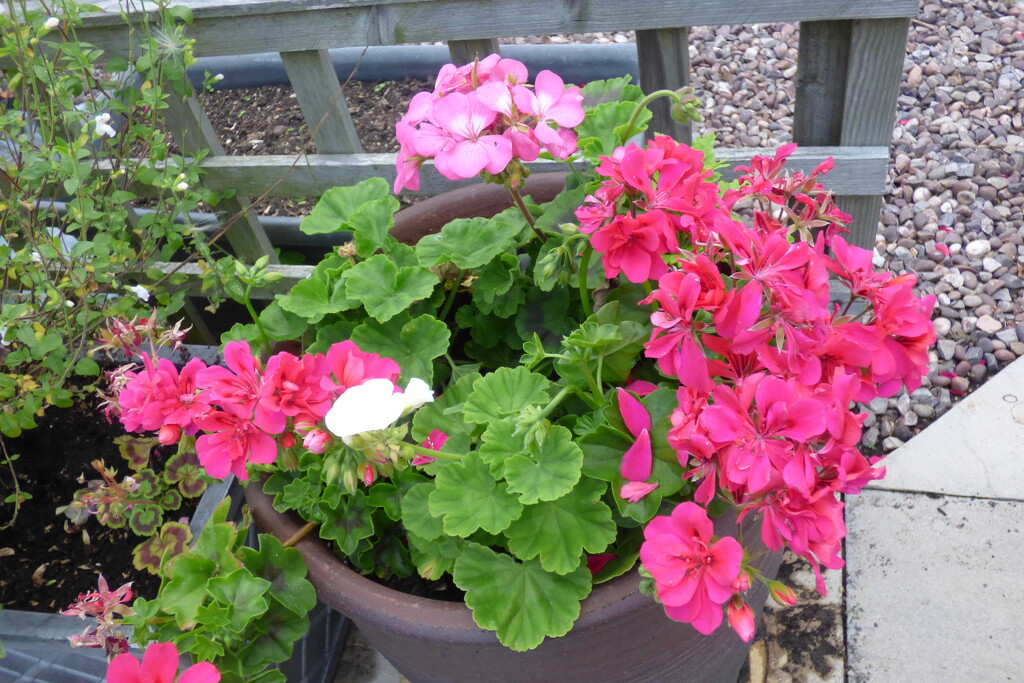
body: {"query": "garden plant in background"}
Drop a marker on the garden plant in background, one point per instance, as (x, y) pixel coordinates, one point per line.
(78, 145)
(537, 402)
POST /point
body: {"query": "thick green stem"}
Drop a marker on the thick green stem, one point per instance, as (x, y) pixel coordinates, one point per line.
(643, 105)
(256, 318)
(411, 448)
(443, 315)
(588, 309)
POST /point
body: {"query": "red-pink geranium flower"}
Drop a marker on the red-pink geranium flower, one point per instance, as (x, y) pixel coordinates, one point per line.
(350, 366)
(159, 665)
(292, 387)
(232, 441)
(693, 574)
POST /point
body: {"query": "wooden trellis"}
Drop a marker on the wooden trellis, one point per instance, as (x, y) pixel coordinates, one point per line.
(849, 67)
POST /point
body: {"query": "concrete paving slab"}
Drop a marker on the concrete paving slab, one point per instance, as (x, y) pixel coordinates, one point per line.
(976, 449)
(933, 588)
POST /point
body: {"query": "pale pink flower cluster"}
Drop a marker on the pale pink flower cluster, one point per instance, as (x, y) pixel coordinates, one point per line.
(483, 115)
(768, 369)
(246, 410)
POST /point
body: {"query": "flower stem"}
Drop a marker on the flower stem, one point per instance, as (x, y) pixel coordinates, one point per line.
(440, 455)
(588, 309)
(643, 105)
(256, 318)
(300, 534)
(518, 199)
(446, 309)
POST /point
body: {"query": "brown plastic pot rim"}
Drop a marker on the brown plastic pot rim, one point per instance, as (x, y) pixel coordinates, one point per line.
(353, 594)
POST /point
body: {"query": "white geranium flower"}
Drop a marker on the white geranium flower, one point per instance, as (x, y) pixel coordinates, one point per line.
(103, 126)
(374, 405)
(51, 23)
(139, 291)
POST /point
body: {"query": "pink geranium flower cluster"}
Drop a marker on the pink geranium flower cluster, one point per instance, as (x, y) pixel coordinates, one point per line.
(246, 410)
(768, 368)
(159, 665)
(483, 115)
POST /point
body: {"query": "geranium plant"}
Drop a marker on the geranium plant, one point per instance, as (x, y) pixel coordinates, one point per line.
(533, 403)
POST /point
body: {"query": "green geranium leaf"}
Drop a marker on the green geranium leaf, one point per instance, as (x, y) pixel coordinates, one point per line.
(611, 90)
(387, 497)
(183, 590)
(505, 391)
(280, 627)
(545, 314)
(337, 205)
(436, 557)
(499, 444)
(602, 129)
(558, 531)
(312, 299)
(495, 279)
(413, 343)
(371, 223)
(285, 571)
(468, 498)
(416, 516)
(87, 367)
(144, 520)
(350, 523)
(385, 290)
(547, 471)
(467, 242)
(243, 594)
(520, 601)
(280, 324)
(183, 468)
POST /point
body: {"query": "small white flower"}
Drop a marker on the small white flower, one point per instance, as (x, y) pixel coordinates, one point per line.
(182, 186)
(219, 77)
(139, 291)
(103, 126)
(69, 304)
(51, 23)
(36, 258)
(374, 405)
(3, 333)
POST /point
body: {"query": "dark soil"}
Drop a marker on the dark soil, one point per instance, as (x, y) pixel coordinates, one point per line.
(268, 120)
(45, 562)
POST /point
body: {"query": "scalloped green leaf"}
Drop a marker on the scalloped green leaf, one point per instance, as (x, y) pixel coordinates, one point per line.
(371, 223)
(315, 297)
(243, 593)
(416, 516)
(285, 571)
(547, 471)
(350, 523)
(559, 531)
(280, 628)
(520, 601)
(334, 211)
(505, 391)
(413, 343)
(435, 557)
(467, 242)
(468, 498)
(183, 590)
(385, 290)
(500, 443)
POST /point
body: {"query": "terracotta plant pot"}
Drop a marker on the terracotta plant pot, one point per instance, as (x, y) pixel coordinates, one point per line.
(621, 635)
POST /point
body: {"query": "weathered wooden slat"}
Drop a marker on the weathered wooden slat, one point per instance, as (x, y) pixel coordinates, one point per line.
(858, 170)
(289, 276)
(877, 49)
(235, 28)
(322, 102)
(465, 51)
(822, 66)
(664, 59)
(193, 131)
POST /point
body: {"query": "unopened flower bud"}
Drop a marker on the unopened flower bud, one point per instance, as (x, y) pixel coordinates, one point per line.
(169, 435)
(368, 474)
(782, 593)
(218, 77)
(350, 481)
(316, 441)
(741, 618)
(287, 440)
(51, 23)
